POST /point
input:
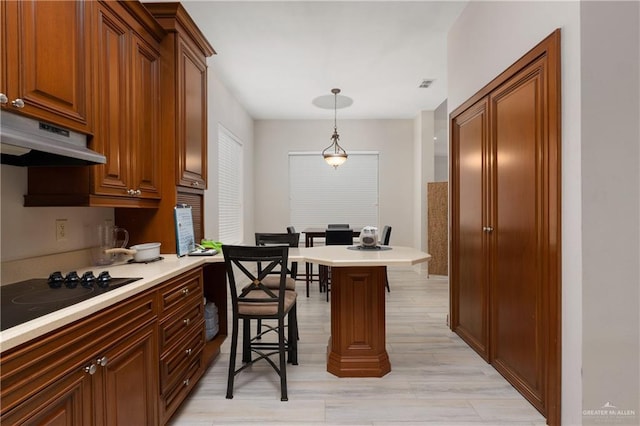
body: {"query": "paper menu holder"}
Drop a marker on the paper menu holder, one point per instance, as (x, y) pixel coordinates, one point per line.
(185, 239)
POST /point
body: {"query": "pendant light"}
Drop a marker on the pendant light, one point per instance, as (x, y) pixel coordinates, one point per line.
(334, 154)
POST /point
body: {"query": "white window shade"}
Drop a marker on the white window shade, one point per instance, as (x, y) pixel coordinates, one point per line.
(229, 187)
(320, 195)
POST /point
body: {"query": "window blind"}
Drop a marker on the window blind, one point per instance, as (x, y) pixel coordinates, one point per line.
(229, 187)
(320, 194)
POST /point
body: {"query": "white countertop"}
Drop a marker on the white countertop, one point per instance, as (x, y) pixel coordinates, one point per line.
(155, 273)
(344, 256)
(152, 274)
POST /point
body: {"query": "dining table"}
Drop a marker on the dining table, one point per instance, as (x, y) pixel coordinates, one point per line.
(357, 345)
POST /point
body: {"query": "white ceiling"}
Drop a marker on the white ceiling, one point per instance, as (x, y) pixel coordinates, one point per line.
(276, 57)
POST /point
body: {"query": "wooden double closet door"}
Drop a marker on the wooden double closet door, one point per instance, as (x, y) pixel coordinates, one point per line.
(505, 225)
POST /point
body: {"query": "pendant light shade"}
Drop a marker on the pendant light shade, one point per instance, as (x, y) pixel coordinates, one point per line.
(334, 154)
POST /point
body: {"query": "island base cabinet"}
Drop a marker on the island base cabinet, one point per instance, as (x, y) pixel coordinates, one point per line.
(357, 344)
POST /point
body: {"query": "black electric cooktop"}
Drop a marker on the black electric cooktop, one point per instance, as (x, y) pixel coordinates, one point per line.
(30, 299)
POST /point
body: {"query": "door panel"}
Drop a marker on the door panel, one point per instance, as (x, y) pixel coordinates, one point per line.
(517, 348)
(469, 279)
(145, 98)
(112, 124)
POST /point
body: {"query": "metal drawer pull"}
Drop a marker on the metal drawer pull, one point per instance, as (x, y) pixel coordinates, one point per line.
(188, 351)
(3, 99)
(185, 291)
(102, 361)
(91, 369)
(186, 321)
(186, 382)
(18, 103)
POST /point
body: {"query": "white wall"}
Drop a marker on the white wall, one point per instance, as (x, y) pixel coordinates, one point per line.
(610, 55)
(393, 139)
(486, 39)
(224, 109)
(423, 159)
(30, 231)
(441, 151)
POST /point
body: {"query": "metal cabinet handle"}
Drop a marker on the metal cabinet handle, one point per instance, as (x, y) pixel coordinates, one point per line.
(185, 291)
(487, 229)
(3, 99)
(17, 103)
(188, 352)
(91, 369)
(186, 382)
(102, 361)
(195, 183)
(186, 321)
(138, 192)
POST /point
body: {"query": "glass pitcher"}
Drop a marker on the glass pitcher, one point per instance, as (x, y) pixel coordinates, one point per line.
(109, 236)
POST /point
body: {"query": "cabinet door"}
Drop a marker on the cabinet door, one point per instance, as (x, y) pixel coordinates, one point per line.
(469, 304)
(130, 381)
(145, 107)
(47, 64)
(192, 117)
(66, 402)
(519, 283)
(112, 130)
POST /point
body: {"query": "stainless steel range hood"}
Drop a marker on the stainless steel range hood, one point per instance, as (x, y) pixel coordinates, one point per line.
(29, 142)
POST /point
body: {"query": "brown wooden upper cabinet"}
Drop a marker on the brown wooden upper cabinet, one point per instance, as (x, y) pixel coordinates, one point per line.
(128, 104)
(46, 71)
(125, 62)
(186, 53)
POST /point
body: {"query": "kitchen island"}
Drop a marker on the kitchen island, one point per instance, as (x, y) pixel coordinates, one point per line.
(357, 344)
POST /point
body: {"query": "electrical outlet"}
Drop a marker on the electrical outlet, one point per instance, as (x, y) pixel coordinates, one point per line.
(61, 229)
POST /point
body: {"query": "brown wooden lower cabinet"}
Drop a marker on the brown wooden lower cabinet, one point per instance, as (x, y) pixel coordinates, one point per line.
(113, 368)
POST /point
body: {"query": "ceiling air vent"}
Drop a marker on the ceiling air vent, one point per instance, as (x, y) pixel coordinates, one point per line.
(425, 83)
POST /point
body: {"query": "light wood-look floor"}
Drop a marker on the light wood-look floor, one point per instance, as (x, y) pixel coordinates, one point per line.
(436, 379)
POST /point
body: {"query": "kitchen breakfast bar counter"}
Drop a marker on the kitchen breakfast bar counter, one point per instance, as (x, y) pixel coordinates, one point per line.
(357, 344)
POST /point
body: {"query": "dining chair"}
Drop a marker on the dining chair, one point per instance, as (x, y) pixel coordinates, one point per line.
(384, 240)
(257, 301)
(279, 239)
(308, 273)
(272, 280)
(333, 237)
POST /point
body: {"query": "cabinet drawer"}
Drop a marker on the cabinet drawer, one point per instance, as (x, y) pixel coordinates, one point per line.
(172, 399)
(174, 362)
(175, 326)
(186, 286)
